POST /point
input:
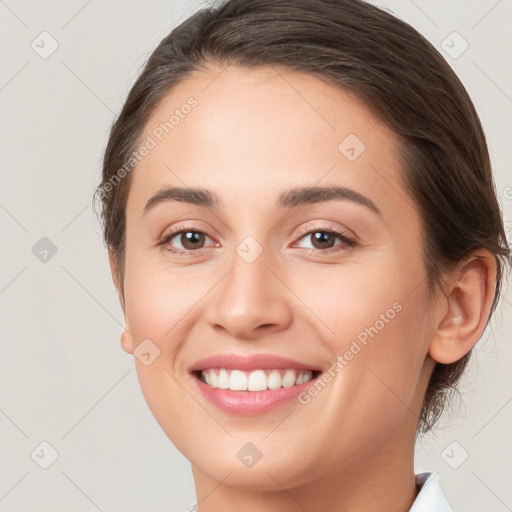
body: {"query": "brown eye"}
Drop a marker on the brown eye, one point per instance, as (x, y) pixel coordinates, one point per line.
(191, 239)
(323, 240)
(187, 240)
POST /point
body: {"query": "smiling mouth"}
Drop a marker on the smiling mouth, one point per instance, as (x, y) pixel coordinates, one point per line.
(254, 381)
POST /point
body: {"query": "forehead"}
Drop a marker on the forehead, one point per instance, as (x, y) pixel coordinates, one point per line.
(248, 133)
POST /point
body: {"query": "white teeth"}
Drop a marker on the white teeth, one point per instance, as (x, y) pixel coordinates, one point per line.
(289, 379)
(257, 380)
(223, 382)
(214, 380)
(274, 380)
(238, 381)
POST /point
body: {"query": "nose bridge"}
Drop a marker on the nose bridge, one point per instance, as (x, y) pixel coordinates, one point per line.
(250, 295)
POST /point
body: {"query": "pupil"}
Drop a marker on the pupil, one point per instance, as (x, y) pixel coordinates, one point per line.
(189, 238)
(320, 236)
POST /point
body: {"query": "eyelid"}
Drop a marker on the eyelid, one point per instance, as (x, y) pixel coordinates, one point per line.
(347, 241)
(180, 228)
(308, 229)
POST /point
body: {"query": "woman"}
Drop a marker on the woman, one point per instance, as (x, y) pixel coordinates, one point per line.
(304, 235)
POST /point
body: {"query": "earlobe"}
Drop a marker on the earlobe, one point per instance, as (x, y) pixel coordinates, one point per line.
(127, 341)
(465, 309)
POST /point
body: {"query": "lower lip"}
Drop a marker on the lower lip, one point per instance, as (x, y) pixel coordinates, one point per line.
(250, 403)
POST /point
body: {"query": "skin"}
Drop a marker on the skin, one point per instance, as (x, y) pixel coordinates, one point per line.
(253, 134)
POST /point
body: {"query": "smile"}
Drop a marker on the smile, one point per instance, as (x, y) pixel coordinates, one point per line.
(256, 380)
(250, 385)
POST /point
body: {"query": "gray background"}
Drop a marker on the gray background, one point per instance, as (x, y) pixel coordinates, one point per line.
(64, 377)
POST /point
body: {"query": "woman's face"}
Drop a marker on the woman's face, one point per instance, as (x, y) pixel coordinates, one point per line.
(255, 275)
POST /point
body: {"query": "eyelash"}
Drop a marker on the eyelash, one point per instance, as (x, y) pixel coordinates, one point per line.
(346, 241)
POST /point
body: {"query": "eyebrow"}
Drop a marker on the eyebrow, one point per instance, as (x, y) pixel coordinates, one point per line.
(289, 198)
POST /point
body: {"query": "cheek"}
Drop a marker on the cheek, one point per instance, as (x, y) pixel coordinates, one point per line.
(158, 305)
(160, 299)
(354, 300)
(373, 318)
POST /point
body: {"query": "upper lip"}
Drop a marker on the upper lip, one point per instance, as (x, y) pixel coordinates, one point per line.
(249, 363)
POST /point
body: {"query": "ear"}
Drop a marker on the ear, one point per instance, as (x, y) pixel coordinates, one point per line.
(465, 307)
(127, 341)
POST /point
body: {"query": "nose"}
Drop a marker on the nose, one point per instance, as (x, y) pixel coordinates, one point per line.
(250, 301)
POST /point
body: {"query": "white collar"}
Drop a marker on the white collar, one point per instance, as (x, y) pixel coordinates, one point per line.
(431, 497)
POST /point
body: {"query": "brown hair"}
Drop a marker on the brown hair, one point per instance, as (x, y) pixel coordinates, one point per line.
(392, 69)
